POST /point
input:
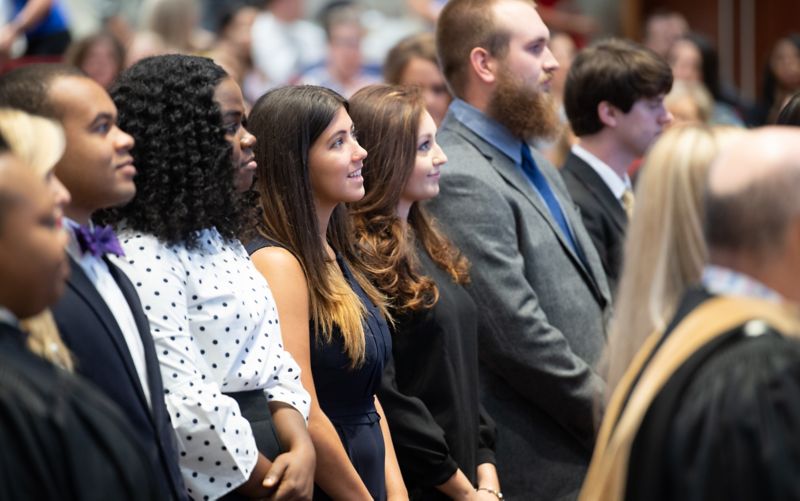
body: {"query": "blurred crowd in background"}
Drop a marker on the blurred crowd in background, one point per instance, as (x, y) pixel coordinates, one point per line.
(347, 44)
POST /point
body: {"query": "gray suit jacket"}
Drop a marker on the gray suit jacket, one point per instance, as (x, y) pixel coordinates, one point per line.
(543, 314)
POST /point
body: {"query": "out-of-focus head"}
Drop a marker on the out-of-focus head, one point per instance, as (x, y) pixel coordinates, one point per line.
(286, 10)
(96, 166)
(752, 208)
(39, 143)
(413, 62)
(689, 102)
(618, 85)
(235, 25)
(33, 263)
(564, 50)
(404, 158)
(344, 33)
(174, 21)
(191, 151)
(100, 56)
(662, 29)
(784, 62)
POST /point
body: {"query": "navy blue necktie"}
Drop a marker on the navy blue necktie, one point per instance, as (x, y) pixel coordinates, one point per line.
(543, 187)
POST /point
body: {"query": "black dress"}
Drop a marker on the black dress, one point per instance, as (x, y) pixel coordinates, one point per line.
(60, 438)
(346, 395)
(430, 391)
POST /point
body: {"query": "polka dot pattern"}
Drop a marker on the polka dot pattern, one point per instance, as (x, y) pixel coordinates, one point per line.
(216, 331)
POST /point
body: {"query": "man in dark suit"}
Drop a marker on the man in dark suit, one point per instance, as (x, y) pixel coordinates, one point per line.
(61, 438)
(536, 277)
(614, 99)
(99, 316)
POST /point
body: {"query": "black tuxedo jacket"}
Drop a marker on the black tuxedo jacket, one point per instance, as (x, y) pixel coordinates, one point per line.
(91, 332)
(602, 214)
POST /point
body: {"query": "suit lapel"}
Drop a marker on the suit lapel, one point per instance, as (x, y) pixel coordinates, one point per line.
(598, 188)
(83, 287)
(143, 324)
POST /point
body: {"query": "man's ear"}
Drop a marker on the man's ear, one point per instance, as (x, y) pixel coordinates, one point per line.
(483, 64)
(608, 113)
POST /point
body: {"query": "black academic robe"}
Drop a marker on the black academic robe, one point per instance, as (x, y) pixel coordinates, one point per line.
(61, 438)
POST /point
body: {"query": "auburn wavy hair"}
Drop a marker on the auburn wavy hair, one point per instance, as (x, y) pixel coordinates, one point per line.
(387, 118)
(287, 122)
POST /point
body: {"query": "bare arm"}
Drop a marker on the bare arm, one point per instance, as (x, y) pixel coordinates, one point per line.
(293, 471)
(32, 13)
(335, 473)
(395, 487)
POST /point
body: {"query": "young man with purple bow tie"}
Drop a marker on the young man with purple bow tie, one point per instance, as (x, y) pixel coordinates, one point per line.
(100, 316)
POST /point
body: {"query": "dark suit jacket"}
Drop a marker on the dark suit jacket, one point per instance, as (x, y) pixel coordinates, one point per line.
(91, 332)
(542, 313)
(602, 214)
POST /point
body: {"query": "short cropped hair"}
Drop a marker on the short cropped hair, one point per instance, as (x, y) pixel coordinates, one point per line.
(754, 220)
(462, 26)
(28, 88)
(617, 71)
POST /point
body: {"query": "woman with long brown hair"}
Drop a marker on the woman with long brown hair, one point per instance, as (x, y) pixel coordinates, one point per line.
(332, 318)
(443, 437)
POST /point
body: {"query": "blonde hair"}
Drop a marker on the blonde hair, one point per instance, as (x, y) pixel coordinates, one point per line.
(40, 143)
(664, 250)
(694, 92)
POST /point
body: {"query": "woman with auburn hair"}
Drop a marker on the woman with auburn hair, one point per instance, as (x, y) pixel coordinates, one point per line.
(332, 318)
(664, 251)
(443, 437)
(39, 142)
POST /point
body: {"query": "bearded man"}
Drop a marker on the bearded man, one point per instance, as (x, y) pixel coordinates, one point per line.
(536, 276)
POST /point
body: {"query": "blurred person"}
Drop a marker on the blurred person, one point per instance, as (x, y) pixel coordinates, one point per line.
(283, 43)
(694, 59)
(443, 437)
(233, 393)
(542, 296)
(100, 316)
(333, 319)
(177, 22)
(664, 252)
(662, 28)
(43, 23)
(413, 62)
(100, 56)
(707, 409)
(39, 143)
(790, 113)
(781, 78)
(614, 99)
(233, 45)
(343, 69)
(689, 103)
(61, 438)
(564, 49)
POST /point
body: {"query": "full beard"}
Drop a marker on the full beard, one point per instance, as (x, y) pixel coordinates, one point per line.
(527, 113)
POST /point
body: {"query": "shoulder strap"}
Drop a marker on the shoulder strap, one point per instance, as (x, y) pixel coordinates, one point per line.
(607, 474)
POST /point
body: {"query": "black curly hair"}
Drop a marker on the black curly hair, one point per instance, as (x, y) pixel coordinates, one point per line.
(185, 180)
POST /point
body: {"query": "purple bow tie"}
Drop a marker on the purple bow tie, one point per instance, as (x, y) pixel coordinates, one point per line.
(98, 241)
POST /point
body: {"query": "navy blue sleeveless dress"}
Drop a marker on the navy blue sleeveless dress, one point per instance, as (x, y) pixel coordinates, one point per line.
(346, 395)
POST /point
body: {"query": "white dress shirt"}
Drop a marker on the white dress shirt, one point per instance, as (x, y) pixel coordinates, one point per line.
(617, 185)
(97, 271)
(215, 327)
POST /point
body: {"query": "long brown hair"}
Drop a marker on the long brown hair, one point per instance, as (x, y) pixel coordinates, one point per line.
(387, 119)
(287, 121)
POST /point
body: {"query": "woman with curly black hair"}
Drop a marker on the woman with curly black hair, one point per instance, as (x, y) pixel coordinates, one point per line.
(443, 437)
(309, 166)
(211, 314)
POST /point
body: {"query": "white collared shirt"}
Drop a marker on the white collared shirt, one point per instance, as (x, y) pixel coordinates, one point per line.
(99, 275)
(616, 184)
(7, 317)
